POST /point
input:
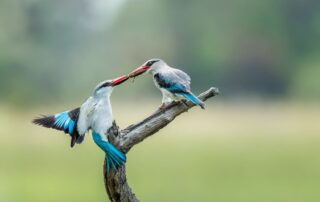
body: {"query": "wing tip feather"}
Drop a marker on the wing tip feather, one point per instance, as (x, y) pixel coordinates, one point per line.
(45, 121)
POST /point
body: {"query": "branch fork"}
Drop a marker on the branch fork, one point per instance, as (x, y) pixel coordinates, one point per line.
(115, 182)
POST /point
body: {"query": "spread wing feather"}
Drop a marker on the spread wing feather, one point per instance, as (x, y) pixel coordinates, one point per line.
(64, 121)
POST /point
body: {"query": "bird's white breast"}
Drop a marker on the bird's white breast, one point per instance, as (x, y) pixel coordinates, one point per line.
(95, 114)
(102, 117)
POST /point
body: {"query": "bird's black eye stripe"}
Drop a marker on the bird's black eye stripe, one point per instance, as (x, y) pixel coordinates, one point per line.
(105, 85)
(150, 63)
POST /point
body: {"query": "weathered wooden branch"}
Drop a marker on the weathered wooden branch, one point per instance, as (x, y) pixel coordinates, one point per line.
(115, 181)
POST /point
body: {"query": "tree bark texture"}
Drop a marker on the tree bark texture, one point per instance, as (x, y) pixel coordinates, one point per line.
(116, 183)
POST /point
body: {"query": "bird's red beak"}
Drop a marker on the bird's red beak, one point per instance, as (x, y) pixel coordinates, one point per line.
(138, 71)
(119, 80)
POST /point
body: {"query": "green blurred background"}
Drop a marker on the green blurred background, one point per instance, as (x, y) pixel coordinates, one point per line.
(257, 141)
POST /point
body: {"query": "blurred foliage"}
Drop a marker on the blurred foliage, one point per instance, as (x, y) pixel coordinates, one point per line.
(51, 50)
(55, 52)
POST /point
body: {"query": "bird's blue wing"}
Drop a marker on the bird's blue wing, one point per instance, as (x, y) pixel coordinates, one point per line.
(64, 121)
(177, 82)
(171, 82)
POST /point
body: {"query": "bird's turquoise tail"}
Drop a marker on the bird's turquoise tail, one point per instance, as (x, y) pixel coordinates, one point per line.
(114, 157)
(193, 99)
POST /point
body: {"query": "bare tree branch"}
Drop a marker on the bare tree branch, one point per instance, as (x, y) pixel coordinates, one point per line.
(115, 181)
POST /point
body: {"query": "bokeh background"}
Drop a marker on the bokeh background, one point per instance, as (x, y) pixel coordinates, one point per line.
(257, 141)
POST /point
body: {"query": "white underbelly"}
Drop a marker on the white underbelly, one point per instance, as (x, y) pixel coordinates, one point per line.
(101, 120)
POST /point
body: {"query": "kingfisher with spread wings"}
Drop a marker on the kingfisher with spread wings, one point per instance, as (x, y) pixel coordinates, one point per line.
(95, 115)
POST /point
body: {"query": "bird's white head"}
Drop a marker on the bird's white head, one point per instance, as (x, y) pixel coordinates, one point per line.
(105, 88)
(151, 66)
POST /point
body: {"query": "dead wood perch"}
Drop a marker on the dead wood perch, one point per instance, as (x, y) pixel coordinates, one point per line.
(115, 181)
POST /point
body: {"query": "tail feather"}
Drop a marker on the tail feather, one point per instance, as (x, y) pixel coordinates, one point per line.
(114, 157)
(114, 153)
(194, 99)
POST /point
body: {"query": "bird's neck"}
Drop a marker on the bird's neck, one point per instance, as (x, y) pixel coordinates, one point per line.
(159, 69)
(103, 99)
(102, 95)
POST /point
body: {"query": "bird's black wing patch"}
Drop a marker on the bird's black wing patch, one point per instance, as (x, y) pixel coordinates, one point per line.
(74, 114)
(171, 84)
(161, 81)
(45, 121)
(65, 121)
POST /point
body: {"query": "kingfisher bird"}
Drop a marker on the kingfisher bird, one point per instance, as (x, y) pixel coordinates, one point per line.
(173, 83)
(95, 114)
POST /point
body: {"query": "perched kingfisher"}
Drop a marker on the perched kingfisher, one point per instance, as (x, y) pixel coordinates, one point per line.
(94, 114)
(173, 83)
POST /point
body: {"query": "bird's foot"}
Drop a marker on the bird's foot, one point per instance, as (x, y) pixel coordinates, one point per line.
(162, 107)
